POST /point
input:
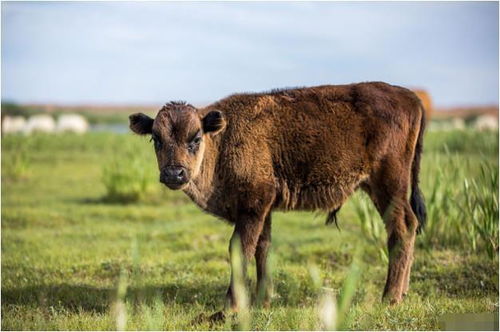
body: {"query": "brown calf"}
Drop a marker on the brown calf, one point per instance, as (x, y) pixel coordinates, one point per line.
(298, 149)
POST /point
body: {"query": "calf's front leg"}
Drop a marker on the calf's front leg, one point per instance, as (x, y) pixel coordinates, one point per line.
(251, 216)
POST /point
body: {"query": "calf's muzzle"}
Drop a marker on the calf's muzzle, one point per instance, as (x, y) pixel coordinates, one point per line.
(174, 177)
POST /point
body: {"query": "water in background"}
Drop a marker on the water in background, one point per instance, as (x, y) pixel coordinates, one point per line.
(118, 128)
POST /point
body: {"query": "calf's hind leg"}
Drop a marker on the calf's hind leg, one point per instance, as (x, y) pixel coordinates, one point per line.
(389, 194)
(401, 232)
(264, 281)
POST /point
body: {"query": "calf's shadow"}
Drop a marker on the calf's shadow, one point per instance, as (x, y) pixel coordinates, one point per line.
(77, 298)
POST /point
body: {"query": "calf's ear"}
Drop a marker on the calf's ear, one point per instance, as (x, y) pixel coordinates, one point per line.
(141, 123)
(213, 122)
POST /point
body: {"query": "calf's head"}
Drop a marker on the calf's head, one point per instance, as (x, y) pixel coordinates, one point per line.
(179, 133)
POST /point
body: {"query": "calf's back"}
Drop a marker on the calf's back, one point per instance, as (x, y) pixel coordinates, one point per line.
(312, 147)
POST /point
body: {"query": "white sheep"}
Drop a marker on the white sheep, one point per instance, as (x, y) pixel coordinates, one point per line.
(486, 122)
(13, 124)
(72, 123)
(40, 123)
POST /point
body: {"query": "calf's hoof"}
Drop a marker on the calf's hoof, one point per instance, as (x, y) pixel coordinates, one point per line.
(217, 317)
(392, 299)
(395, 301)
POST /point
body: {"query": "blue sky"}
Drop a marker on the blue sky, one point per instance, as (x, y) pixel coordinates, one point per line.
(109, 52)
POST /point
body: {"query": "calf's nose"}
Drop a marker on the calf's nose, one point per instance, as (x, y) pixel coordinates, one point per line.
(173, 174)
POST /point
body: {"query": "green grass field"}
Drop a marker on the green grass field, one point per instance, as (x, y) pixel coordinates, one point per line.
(90, 240)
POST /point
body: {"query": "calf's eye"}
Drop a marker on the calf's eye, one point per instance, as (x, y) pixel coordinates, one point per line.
(195, 142)
(156, 142)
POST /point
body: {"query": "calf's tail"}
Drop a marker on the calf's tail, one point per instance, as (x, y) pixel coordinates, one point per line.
(416, 198)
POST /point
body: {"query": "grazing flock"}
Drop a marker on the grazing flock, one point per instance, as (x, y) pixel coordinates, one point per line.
(44, 123)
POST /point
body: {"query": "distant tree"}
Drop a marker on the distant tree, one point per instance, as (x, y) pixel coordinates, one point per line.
(13, 109)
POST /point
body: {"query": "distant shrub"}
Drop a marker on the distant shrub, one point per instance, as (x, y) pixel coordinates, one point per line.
(16, 165)
(16, 162)
(126, 178)
(12, 109)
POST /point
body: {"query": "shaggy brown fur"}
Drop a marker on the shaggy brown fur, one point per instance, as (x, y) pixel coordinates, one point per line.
(300, 149)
